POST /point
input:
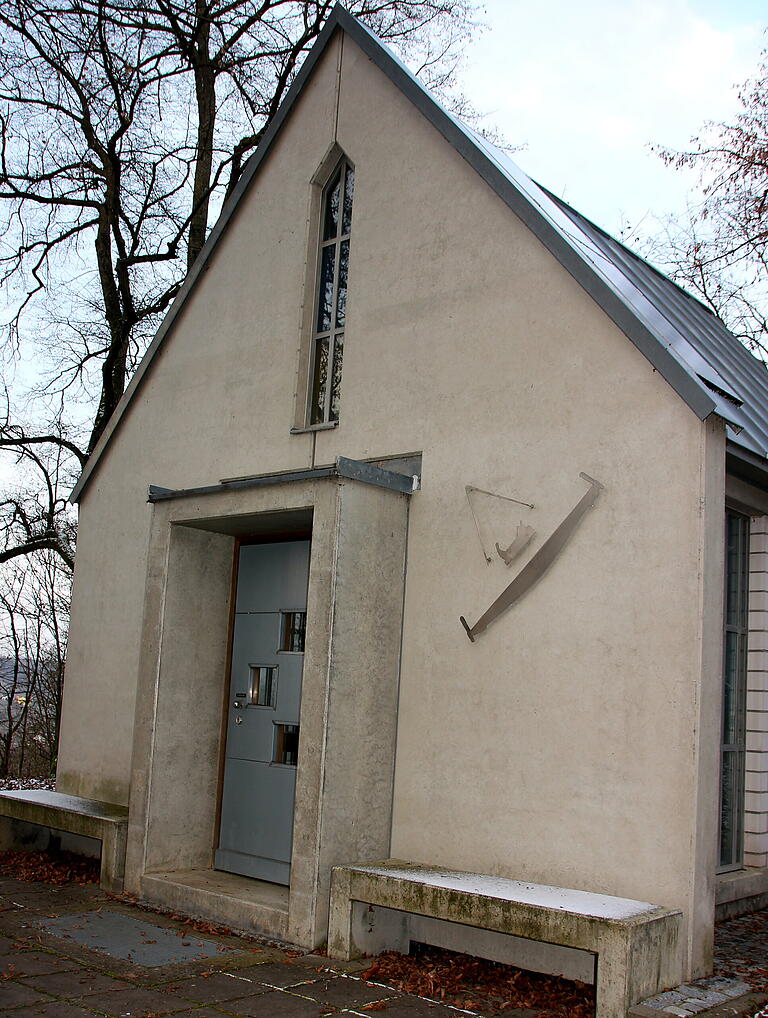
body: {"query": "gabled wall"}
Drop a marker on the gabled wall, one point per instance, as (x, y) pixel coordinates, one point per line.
(572, 743)
(219, 403)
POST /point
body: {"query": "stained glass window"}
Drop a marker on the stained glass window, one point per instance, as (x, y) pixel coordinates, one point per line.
(330, 315)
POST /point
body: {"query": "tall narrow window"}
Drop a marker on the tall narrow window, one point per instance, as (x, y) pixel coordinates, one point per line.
(330, 315)
(733, 748)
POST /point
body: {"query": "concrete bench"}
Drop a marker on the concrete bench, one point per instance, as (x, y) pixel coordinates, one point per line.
(88, 818)
(635, 942)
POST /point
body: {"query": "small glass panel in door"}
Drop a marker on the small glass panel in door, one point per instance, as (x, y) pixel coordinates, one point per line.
(294, 627)
(286, 745)
(262, 686)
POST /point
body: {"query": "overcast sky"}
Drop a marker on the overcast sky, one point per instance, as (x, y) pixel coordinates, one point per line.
(588, 86)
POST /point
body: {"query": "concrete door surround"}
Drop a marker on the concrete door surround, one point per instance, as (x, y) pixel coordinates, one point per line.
(349, 701)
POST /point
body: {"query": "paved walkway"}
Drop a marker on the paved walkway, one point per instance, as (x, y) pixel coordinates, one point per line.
(48, 971)
(149, 965)
(740, 982)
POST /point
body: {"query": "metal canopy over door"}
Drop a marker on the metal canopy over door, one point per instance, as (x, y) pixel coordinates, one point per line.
(263, 711)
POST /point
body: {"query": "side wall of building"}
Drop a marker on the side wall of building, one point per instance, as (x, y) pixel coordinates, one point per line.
(565, 744)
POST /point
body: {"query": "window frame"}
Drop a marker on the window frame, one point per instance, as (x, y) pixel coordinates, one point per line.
(335, 335)
(731, 836)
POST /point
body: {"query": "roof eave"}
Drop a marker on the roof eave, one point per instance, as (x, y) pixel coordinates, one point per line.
(747, 465)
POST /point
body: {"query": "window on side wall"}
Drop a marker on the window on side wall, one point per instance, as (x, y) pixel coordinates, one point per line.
(734, 731)
(331, 302)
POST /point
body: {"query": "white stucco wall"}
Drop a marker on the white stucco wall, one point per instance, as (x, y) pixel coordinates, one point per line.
(219, 403)
(564, 745)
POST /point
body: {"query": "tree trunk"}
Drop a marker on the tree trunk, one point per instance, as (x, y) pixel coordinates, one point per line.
(205, 93)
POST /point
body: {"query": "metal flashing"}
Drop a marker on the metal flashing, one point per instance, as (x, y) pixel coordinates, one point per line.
(367, 473)
(681, 340)
(342, 469)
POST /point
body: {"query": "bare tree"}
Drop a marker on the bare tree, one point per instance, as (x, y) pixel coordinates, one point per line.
(719, 250)
(124, 124)
(34, 516)
(14, 681)
(33, 625)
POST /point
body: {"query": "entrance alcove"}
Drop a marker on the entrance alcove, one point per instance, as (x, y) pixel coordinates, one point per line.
(343, 799)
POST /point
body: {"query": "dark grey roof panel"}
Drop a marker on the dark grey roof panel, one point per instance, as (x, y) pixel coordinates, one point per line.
(692, 351)
(711, 350)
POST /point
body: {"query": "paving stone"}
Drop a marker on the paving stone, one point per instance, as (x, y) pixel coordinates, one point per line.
(135, 1001)
(708, 999)
(139, 975)
(199, 1012)
(75, 984)
(696, 997)
(692, 990)
(57, 1009)
(415, 1007)
(344, 992)
(218, 986)
(729, 987)
(131, 938)
(321, 963)
(662, 1001)
(17, 995)
(277, 1004)
(738, 987)
(33, 963)
(25, 898)
(281, 975)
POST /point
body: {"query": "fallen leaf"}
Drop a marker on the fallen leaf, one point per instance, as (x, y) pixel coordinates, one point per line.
(49, 867)
(448, 976)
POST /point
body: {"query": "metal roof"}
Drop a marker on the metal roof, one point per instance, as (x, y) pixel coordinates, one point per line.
(737, 379)
(703, 362)
(733, 378)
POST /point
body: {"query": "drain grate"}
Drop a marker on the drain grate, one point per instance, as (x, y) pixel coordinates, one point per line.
(123, 936)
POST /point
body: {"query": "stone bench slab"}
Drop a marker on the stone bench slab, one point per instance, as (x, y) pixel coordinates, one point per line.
(90, 818)
(636, 942)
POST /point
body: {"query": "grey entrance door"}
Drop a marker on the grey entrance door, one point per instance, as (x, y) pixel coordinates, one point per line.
(263, 711)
